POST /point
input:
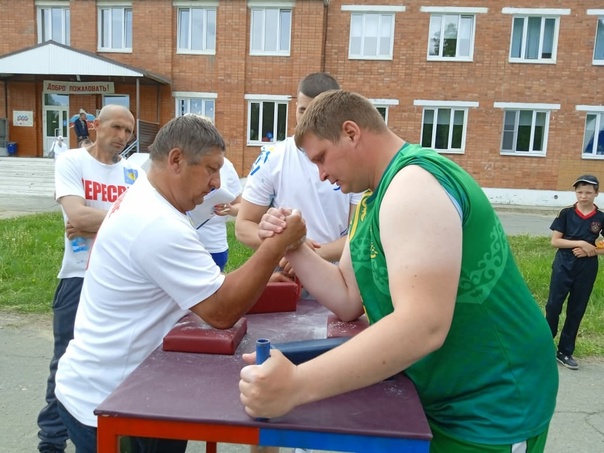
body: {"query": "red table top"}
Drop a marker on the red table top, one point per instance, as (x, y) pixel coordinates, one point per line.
(203, 388)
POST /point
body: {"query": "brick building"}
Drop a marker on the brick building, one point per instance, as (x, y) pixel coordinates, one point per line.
(509, 90)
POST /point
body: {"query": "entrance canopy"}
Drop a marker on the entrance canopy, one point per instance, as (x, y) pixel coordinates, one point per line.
(57, 59)
(62, 70)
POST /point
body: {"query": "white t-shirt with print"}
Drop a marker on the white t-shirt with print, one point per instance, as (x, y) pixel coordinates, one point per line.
(284, 176)
(147, 269)
(78, 173)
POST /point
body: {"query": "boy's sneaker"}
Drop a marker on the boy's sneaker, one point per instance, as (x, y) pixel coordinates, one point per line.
(567, 360)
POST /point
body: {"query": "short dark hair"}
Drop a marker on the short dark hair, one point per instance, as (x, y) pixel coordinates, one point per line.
(316, 83)
(327, 113)
(193, 134)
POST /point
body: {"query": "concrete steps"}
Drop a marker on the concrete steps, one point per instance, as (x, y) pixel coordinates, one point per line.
(27, 176)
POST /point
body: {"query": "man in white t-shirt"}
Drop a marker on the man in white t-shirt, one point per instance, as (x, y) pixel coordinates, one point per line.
(213, 233)
(148, 268)
(283, 176)
(58, 147)
(87, 182)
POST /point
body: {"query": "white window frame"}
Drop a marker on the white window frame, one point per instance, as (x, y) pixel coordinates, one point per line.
(599, 38)
(262, 7)
(207, 9)
(107, 99)
(452, 12)
(124, 8)
(535, 109)
(182, 103)
(384, 104)
(363, 12)
(46, 29)
(261, 99)
(453, 106)
(544, 14)
(597, 114)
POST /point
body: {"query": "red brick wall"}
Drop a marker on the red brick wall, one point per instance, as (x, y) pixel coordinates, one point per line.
(25, 96)
(488, 79)
(320, 42)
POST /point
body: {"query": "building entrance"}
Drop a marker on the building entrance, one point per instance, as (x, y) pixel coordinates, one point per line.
(56, 120)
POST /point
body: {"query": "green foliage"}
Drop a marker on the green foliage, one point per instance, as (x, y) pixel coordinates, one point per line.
(31, 250)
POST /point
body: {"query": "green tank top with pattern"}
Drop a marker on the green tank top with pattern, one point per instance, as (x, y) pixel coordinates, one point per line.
(495, 379)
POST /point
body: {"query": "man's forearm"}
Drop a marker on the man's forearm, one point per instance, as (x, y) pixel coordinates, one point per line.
(332, 251)
(89, 219)
(246, 232)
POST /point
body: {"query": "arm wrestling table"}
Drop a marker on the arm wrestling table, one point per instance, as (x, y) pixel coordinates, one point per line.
(196, 397)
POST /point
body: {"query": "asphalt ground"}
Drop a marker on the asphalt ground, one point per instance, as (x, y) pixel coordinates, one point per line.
(26, 348)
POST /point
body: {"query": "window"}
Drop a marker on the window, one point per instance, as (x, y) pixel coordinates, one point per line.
(197, 30)
(451, 37)
(599, 41)
(599, 46)
(270, 31)
(593, 137)
(267, 119)
(115, 29)
(525, 128)
(444, 125)
(371, 36)
(117, 99)
(382, 106)
(197, 103)
(53, 24)
(371, 31)
(534, 34)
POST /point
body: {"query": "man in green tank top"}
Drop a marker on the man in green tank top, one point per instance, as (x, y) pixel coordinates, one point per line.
(428, 262)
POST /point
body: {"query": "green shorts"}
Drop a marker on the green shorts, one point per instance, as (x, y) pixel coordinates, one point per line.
(442, 443)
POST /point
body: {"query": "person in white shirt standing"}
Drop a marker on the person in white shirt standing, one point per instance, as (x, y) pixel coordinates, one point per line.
(87, 182)
(213, 233)
(58, 147)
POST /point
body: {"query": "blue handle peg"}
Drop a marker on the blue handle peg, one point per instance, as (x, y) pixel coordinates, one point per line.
(263, 350)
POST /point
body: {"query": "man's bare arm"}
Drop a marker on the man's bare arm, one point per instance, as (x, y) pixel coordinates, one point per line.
(81, 217)
(242, 287)
(246, 223)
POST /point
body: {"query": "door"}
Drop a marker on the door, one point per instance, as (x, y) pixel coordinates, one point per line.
(56, 120)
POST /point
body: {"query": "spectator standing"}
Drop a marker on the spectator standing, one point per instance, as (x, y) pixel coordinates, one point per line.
(58, 147)
(575, 267)
(213, 234)
(87, 182)
(80, 126)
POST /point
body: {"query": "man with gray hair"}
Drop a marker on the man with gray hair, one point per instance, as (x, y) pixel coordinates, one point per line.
(148, 269)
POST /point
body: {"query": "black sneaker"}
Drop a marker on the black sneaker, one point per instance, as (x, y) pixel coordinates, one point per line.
(567, 360)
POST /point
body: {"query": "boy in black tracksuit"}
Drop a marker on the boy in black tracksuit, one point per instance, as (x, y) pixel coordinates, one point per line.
(575, 266)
